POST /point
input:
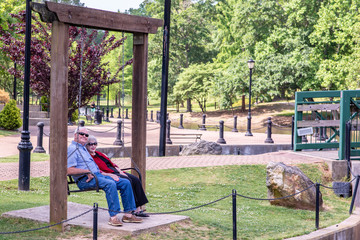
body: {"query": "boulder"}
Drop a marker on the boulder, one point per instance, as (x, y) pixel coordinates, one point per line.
(200, 148)
(283, 180)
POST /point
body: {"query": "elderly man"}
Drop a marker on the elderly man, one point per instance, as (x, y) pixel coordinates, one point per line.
(80, 162)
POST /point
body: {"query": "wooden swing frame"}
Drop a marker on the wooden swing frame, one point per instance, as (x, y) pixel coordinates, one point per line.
(62, 16)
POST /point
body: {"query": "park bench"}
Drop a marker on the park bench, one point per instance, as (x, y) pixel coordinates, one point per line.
(186, 136)
(70, 182)
(89, 118)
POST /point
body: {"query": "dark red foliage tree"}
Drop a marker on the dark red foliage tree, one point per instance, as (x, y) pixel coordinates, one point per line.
(84, 57)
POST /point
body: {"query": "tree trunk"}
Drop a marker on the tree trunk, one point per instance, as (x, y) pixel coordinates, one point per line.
(243, 103)
(188, 105)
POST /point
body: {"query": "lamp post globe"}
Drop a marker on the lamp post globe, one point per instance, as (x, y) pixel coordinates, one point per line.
(251, 65)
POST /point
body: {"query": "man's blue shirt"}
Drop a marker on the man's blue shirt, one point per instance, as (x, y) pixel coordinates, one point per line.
(79, 157)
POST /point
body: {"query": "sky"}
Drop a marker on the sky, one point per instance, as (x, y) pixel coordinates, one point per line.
(112, 5)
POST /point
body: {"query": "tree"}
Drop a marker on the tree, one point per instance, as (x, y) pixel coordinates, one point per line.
(6, 8)
(194, 83)
(190, 40)
(85, 58)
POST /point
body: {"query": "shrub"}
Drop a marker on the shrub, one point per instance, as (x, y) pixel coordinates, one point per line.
(4, 96)
(44, 103)
(10, 118)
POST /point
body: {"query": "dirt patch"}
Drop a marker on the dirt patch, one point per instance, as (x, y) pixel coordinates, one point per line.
(259, 114)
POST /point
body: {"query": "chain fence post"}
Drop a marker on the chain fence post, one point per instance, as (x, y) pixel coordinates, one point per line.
(292, 131)
(152, 116)
(168, 125)
(317, 207)
(39, 148)
(119, 116)
(181, 121)
(95, 222)
(112, 113)
(234, 214)
(235, 124)
(203, 128)
(348, 146)
(118, 140)
(127, 114)
(269, 131)
(221, 139)
(354, 194)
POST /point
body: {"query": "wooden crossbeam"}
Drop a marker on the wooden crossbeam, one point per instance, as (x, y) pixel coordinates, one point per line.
(318, 107)
(95, 18)
(319, 123)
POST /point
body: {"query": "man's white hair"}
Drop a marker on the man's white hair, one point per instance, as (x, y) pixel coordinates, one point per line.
(78, 129)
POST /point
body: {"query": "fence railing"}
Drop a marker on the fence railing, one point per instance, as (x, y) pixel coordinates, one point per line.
(320, 119)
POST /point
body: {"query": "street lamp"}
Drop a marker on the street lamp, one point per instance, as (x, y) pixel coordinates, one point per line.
(107, 107)
(251, 64)
(14, 85)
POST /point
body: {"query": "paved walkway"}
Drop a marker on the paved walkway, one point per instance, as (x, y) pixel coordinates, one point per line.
(106, 135)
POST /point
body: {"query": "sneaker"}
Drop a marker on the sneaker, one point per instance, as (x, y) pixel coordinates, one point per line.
(131, 219)
(115, 222)
(141, 214)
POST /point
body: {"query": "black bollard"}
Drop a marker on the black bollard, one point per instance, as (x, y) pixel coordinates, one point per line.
(235, 125)
(157, 116)
(82, 123)
(348, 146)
(147, 117)
(354, 194)
(95, 221)
(269, 125)
(103, 114)
(221, 139)
(151, 116)
(292, 132)
(203, 128)
(317, 209)
(234, 214)
(168, 124)
(127, 114)
(118, 140)
(119, 116)
(39, 148)
(112, 111)
(181, 121)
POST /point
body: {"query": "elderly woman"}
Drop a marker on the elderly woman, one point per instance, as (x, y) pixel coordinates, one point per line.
(108, 168)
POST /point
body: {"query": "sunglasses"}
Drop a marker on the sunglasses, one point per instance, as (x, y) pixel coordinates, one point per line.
(83, 134)
(92, 144)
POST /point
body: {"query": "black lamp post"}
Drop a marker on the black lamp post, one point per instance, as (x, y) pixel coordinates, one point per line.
(14, 91)
(107, 106)
(251, 64)
(25, 145)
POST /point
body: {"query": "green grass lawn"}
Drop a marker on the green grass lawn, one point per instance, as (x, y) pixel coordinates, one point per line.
(4, 133)
(35, 157)
(176, 189)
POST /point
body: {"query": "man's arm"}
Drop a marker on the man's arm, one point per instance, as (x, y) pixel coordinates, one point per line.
(74, 170)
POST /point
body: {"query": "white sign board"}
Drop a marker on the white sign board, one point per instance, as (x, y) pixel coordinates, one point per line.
(305, 131)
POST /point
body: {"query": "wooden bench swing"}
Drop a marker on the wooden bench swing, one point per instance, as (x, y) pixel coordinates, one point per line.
(71, 182)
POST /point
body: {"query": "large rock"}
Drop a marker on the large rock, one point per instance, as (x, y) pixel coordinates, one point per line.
(283, 180)
(200, 148)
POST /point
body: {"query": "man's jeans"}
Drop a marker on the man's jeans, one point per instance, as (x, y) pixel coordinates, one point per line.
(110, 187)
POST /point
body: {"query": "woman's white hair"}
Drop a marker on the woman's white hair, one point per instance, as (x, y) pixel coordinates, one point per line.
(91, 138)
